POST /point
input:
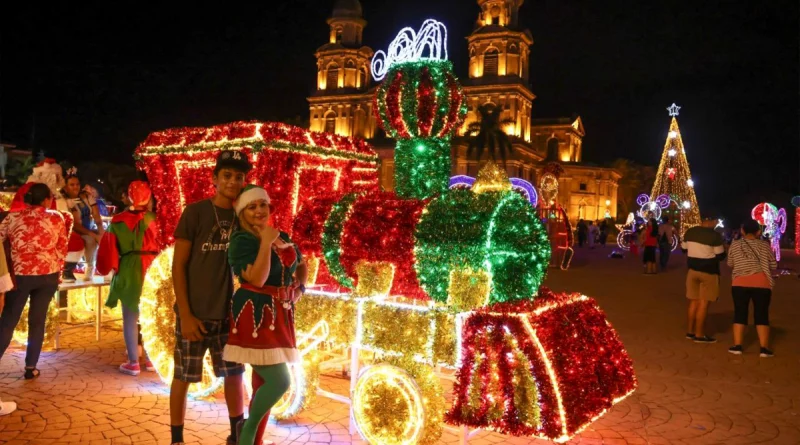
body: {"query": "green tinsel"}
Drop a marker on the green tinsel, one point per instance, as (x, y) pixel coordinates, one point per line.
(498, 232)
(332, 238)
(422, 167)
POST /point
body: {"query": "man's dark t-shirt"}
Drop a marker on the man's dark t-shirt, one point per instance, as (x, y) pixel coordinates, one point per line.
(208, 275)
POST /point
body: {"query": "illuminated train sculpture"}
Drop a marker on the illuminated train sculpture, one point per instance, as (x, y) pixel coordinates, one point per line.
(419, 283)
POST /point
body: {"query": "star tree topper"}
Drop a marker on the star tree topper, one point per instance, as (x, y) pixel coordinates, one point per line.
(673, 109)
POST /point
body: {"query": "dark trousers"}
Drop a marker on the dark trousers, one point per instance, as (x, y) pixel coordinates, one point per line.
(663, 252)
(40, 289)
(742, 296)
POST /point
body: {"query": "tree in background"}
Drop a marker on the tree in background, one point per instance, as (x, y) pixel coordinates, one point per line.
(19, 170)
(489, 134)
(675, 180)
(636, 179)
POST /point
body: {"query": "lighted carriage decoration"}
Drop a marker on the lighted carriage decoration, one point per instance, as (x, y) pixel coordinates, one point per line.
(409, 286)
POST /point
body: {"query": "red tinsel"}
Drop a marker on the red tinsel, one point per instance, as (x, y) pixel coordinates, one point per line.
(393, 110)
(381, 228)
(457, 100)
(426, 100)
(588, 360)
(183, 177)
(307, 234)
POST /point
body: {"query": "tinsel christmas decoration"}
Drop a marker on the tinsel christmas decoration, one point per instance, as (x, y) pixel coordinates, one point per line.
(421, 104)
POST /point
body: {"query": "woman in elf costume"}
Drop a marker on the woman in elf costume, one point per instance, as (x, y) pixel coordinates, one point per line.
(272, 276)
(128, 247)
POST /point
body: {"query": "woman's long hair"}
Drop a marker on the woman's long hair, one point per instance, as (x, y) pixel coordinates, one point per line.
(37, 194)
(653, 227)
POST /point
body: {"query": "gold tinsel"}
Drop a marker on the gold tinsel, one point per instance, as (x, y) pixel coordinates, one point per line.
(81, 303)
(387, 413)
(338, 312)
(5, 200)
(444, 340)
(397, 329)
(491, 179)
(374, 279)
(311, 373)
(157, 319)
(468, 289)
(50, 325)
(312, 265)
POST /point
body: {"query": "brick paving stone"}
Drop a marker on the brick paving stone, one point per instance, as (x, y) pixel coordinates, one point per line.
(688, 393)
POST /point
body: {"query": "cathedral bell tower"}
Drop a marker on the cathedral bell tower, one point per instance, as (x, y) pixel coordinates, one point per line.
(499, 59)
(341, 102)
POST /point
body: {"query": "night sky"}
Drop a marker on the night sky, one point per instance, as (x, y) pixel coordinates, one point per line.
(97, 80)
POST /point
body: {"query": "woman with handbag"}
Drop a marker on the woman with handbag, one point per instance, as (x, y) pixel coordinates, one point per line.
(752, 261)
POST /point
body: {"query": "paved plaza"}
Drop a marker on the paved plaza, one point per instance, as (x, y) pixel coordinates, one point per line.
(688, 393)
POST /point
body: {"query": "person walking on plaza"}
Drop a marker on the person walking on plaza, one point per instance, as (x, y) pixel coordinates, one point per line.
(128, 248)
(592, 234)
(603, 232)
(666, 233)
(752, 261)
(581, 232)
(262, 314)
(203, 289)
(38, 239)
(649, 243)
(705, 251)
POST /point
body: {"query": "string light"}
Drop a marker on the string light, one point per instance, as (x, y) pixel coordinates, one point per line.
(774, 222)
(673, 178)
(519, 185)
(410, 46)
(421, 104)
(178, 163)
(796, 204)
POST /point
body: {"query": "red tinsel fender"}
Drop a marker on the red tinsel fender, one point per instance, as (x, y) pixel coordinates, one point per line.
(579, 364)
(307, 230)
(381, 228)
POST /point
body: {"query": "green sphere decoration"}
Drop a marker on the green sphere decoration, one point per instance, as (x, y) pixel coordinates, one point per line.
(497, 232)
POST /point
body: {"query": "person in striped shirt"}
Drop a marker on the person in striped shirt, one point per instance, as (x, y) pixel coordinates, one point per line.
(752, 261)
(705, 251)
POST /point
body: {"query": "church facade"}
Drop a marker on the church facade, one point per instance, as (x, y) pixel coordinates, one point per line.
(498, 75)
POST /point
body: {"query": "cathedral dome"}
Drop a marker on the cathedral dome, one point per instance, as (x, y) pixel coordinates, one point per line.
(347, 9)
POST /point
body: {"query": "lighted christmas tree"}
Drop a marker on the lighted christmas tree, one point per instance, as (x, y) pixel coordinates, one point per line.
(675, 180)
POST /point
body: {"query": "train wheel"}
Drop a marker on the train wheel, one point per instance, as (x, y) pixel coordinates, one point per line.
(388, 406)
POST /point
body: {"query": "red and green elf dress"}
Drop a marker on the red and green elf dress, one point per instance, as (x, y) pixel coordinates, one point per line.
(128, 247)
(262, 318)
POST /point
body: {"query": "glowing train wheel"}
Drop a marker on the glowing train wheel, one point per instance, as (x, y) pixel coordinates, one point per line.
(622, 240)
(388, 406)
(157, 320)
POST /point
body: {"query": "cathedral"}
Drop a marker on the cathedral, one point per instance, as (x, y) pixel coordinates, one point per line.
(499, 60)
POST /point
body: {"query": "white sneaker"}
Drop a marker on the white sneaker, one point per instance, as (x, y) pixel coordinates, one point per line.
(7, 408)
(89, 274)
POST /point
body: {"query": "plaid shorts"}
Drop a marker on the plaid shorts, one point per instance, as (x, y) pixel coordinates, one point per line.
(189, 354)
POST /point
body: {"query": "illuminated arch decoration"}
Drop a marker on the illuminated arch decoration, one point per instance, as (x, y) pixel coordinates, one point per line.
(774, 222)
(520, 185)
(411, 46)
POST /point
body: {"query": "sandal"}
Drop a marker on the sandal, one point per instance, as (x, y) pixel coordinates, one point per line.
(31, 373)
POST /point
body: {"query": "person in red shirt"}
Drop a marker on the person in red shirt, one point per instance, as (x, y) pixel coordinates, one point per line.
(38, 239)
(650, 243)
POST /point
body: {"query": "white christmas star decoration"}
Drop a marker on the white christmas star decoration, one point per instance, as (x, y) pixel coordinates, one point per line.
(672, 152)
(673, 109)
(690, 183)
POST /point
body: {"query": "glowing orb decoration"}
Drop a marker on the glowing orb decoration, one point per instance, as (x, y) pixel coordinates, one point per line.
(548, 186)
(50, 325)
(774, 222)
(690, 182)
(519, 185)
(157, 320)
(410, 46)
(388, 406)
(687, 205)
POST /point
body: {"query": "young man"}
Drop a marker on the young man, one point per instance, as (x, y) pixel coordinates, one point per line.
(705, 252)
(203, 290)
